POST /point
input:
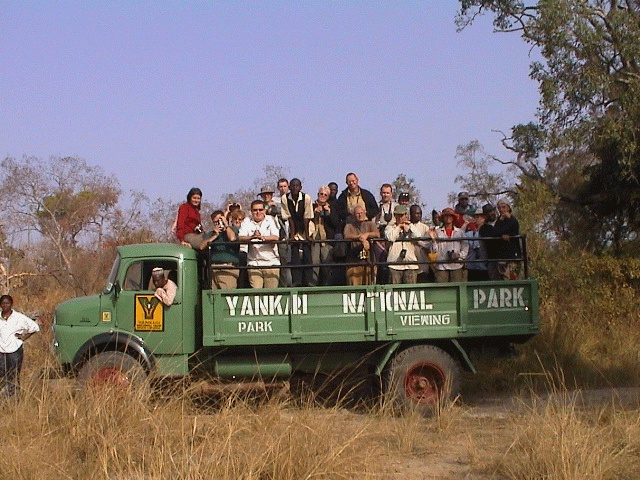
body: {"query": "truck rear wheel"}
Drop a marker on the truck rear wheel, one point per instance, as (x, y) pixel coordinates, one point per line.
(112, 370)
(421, 377)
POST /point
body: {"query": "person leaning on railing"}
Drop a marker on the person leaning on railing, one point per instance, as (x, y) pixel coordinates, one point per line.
(403, 267)
(450, 254)
(361, 231)
(257, 230)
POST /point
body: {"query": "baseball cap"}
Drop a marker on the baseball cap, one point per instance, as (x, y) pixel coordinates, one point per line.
(463, 195)
(399, 210)
(486, 208)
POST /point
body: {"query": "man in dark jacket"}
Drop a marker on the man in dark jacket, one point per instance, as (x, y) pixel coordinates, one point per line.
(352, 196)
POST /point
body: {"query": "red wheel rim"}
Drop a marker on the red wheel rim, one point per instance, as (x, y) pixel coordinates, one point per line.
(424, 383)
(110, 376)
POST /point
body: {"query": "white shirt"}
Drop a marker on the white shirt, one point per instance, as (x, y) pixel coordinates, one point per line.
(16, 323)
(395, 234)
(167, 293)
(421, 229)
(261, 254)
(441, 248)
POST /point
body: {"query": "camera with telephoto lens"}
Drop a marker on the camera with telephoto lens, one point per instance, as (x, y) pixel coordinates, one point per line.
(451, 255)
(387, 217)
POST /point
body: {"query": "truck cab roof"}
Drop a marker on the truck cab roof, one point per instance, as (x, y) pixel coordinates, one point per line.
(157, 249)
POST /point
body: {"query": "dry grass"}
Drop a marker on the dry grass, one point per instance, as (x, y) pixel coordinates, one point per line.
(567, 435)
(53, 433)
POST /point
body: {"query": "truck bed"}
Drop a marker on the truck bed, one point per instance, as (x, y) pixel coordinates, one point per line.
(376, 313)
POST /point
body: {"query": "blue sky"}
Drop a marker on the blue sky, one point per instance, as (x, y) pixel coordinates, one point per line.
(170, 95)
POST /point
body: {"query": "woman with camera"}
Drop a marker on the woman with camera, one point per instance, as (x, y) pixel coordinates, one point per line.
(188, 223)
(224, 257)
(450, 254)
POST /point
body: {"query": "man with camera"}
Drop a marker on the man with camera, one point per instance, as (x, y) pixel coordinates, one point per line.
(224, 257)
(274, 209)
(450, 252)
(402, 254)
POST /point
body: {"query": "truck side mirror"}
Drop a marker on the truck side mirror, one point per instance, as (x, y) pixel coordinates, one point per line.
(117, 288)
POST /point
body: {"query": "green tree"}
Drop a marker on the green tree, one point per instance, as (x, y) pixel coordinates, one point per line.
(589, 81)
(482, 184)
(404, 184)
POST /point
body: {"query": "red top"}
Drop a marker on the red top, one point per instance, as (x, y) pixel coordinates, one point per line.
(188, 220)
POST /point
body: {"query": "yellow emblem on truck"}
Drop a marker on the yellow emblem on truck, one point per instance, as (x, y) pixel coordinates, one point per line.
(149, 314)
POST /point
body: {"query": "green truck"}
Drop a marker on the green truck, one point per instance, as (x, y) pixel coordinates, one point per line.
(413, 339)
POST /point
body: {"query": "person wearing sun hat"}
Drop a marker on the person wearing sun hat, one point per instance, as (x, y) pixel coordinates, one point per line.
(402, 252)
(450, 254)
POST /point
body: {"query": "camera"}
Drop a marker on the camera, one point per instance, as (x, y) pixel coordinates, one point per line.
(198, 228)
(451, 255)
(220, 225)
(403, 254)
(387, 217)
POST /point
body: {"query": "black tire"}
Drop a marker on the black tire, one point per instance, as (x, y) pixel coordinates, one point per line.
(421, 378)
(112, 370)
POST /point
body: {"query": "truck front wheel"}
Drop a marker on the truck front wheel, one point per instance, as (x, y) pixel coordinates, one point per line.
(112, 369)
(421, 377)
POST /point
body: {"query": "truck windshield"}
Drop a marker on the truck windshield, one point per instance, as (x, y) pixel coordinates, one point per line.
(112, 276)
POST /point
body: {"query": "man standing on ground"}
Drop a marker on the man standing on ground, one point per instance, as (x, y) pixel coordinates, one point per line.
(15, 328)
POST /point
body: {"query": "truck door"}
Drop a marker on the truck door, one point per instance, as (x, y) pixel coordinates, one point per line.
(139, 312)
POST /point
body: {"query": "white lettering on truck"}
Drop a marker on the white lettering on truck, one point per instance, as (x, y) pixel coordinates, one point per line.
(250, 327)
(503, 297)
(267, 305)
(392, 301)
(419, 320)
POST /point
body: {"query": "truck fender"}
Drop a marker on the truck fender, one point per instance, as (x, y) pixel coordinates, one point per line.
(458, 352)
(115, 341)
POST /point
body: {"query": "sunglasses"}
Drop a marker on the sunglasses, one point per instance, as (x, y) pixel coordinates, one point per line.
(257, 209)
